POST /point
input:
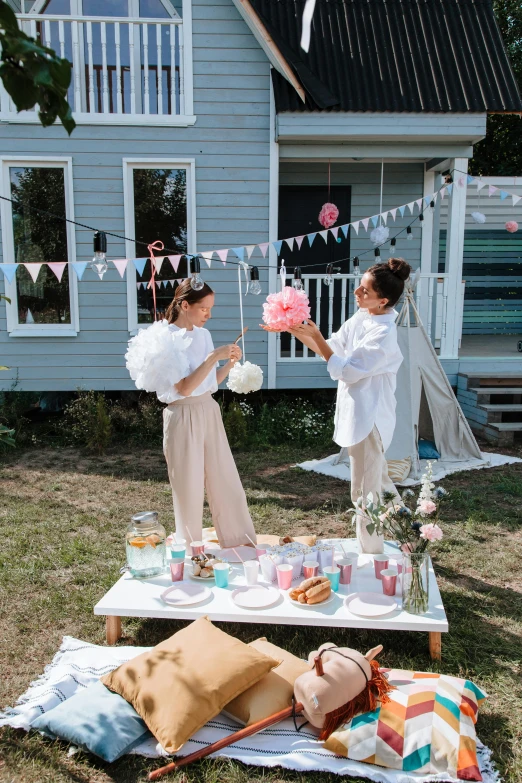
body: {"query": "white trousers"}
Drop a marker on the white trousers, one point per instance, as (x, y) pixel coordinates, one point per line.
(199, 458)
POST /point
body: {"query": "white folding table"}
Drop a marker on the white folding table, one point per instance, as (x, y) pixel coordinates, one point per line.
(131, 597)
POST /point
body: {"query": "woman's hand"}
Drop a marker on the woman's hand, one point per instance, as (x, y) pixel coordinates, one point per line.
(308, 329)
(271, 329)
(227, 353)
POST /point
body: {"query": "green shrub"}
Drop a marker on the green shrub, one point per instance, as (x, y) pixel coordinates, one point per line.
(86, 421)
(236, 426)
(100, 431)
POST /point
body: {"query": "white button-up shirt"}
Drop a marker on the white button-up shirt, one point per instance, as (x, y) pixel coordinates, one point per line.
(365, 362)
(197, 352)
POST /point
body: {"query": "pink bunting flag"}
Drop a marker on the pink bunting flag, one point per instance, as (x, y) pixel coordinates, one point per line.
(492, 189)
(207, 255)
(355, 226)
(138, 285)
(393, 213)
(263, 248)
(334, 231)
(250, 249)
(460, 182)
(365, 222)
(299, 241)
(34, 270)
(174, 260)
(158, 261)
(121, 265)
(223, 255)
(158, 283)
(57, 267)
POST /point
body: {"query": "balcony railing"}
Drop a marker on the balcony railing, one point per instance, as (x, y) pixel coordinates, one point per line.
(332, 305)
(125, 71)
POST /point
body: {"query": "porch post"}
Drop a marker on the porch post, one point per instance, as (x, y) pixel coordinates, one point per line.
(426, 249)
(273, 226)
(452, 323)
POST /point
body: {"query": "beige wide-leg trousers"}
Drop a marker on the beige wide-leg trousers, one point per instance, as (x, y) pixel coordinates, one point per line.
(199, 458)
(369, 473)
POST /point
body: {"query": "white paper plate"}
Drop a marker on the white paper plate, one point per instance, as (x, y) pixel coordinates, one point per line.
(312, 606)
(246, 552)
(370, 604)
(184, 594)
(255, 596)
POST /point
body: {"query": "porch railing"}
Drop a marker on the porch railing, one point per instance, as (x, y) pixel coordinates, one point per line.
(122, 68)
(332, 305)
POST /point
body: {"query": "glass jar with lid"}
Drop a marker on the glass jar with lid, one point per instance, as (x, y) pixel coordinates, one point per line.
(145, 545)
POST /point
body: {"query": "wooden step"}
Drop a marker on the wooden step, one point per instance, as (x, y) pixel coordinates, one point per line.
(501, 408)
(496, 389)
(508, 426)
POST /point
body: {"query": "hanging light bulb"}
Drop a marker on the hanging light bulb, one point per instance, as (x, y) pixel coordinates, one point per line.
(196, 281)
(356, 267)
(255, 285)
(409, 235)
(421, 217)
(392, 246)
(432, 207)
(297, 282)
(377, 254)
(328, 278)
(99, 262)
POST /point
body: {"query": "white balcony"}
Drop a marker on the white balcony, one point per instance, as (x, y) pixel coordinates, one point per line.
(126, 71)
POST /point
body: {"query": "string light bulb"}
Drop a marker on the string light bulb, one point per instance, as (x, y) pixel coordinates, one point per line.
(421, 217)
(356, 266)
(196, 281)
(255, 285)
(432, 207)
(99, 261)
(409, 234)
(377, 253)
(393, 243)
(328, 278)
(297, 281)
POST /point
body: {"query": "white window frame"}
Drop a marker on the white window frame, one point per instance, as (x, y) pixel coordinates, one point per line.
(129, 165)
(14, 328)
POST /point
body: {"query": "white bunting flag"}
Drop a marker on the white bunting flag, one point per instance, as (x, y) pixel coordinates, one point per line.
(324, 235)
(516, 199)
(57, 267)
(263, 248)
(158, 283)
(491, 190)
(158, 261)
(250, 249)
(410, 206)
(365, 222)
(442, 193)
(174, 260)
(393, 213)
(419, 204)
(121, 265)
(290, 242)
(299, 241)
(384, 217)
(335, 231)
(138, 286)
(355, 226)
(480, 184)
(34, 270)
(223, 255)
(207, 255)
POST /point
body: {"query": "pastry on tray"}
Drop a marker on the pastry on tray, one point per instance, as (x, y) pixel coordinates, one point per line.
(203, 566)
(312, 591)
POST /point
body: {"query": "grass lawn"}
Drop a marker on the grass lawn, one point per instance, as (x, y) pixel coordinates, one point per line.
(63, 517)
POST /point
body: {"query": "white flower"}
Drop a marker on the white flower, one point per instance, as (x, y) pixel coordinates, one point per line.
(244, 378)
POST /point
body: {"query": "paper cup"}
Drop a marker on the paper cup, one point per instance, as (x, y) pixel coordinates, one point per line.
(389, 581)
(177, 551)
(221, 572)
(380, 562)
(310, 568)
(197, 547)
(284, 576)
(261, 549)
(177, 567)
(334, 574)
(346, 565)
(268, 566)
(251, 568)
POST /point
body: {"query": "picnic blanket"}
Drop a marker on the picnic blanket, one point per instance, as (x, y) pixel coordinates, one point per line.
(79, 664)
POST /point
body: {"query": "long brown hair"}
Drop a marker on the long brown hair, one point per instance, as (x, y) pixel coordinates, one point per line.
(185, 293)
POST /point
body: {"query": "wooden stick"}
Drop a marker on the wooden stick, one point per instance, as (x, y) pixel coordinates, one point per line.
(245, 330)
(237, 736)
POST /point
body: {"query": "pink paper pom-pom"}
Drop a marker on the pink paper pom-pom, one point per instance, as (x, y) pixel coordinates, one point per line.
(328, 215)
(286, 308)
(511, 226)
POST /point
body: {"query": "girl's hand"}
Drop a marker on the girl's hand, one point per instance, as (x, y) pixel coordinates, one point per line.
(308, 329)
(227, 353)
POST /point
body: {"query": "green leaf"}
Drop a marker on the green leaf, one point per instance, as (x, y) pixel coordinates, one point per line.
(2, 296)
(8, 19)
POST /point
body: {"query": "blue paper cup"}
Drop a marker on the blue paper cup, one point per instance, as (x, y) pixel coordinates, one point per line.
(221, 571)
(334, 575)
(178, 551)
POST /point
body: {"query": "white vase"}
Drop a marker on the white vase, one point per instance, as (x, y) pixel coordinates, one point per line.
(369, 544)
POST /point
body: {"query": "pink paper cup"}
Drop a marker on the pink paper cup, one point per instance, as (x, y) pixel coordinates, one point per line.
(284, 576)
(177, 566)
(346, 565)
(389, 581)
(310, 568)
(197, 547)
(380, 562)
(261, 549)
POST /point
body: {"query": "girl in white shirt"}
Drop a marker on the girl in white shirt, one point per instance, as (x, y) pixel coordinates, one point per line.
(194, 440)
(364, 357)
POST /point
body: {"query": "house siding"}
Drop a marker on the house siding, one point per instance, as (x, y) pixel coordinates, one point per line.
(230, 145)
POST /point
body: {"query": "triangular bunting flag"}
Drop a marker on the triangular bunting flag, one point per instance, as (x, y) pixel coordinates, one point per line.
(174, 262)
(138, 286)
(503, 195)
(442, 193)
(516, 199)
(222, 254)
(345, 229)
(410, 206)
(57, 267)
(355, 226)
(375, 220)
(427, 201)
(34, 271)
(145, 284)
(240, 252)
(470, 179)
(121, 265)
(365, 222)
(80, 267)
(9, 271)
(480, 184)
(311, 238)
(402, 210)
(450, 188)
(139, 263)
(492, 189)
(460, 182)
(158, 261)
(158, 283)
(419, 203)
(393, 213)
(324, 234)
(277, 244)
(263, 248)
(384, 218)
(207, 255)
(290, 242)
(250, 249)
(299, 241)
(335, 231)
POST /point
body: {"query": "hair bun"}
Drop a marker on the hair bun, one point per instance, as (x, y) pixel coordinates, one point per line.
(399, 267)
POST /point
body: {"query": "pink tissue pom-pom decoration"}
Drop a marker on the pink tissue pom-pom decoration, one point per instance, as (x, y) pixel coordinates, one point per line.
(511, 226)
(286, 308)
(328, 215)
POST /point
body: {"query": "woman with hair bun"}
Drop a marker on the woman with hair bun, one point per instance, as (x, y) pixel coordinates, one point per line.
(364, 357)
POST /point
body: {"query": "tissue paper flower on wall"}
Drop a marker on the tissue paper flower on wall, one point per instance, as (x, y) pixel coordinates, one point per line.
(285, 309)
(328, 215)
(511, 226)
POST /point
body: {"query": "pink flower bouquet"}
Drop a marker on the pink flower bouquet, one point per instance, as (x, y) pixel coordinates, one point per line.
(285, 309)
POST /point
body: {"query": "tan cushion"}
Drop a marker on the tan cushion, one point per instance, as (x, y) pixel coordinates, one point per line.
(399, 469)
(274, 540)
(187, 680)
(271, 694)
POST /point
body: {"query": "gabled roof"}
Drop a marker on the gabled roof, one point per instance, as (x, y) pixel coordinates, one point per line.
(388, 56)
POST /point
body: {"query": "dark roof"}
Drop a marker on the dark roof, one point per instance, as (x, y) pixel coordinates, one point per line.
(392, 56)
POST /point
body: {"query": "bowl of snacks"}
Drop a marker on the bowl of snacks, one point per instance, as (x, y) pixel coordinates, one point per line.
(203, 566)
(315, 591)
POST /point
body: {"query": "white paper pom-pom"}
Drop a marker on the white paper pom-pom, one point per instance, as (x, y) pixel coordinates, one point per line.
(478, 217)
(380, 235)
(157, 359)
(245, 378)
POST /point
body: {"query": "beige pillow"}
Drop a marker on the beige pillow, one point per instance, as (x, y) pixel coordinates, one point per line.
(187, 680)
(274, 540)
(399, 469)
(271, 694)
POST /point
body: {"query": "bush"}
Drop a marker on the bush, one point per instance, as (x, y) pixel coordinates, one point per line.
(86, 421)
(236, 426)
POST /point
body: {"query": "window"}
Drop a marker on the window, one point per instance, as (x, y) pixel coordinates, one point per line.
(159, 205)
(45, 305)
